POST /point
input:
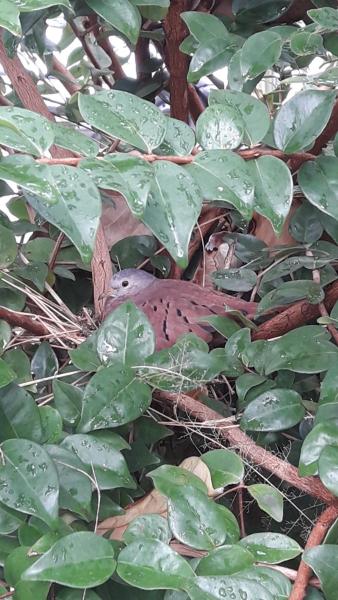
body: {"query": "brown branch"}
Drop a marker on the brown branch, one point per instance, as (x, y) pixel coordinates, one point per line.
(322, 307)
(237, 439)
(68, 81)
(177, 62)
(105, 44)
(87, 49)
(24, 320)
(294, 316)
(296, 12)
(196, 106)
(142, 55)
(328, 516)
(327, 134)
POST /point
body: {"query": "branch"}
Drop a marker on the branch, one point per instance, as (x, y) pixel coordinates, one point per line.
(68, 81)
(294, 316)
(105, 44)
(237, 439)
(87, 49)
(196, 106)
(328, 516)
(177, 62)
(24, 320)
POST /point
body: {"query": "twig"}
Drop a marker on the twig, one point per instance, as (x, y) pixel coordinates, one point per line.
(256, 454)
(24, 320)
(328, 516)
(321, 305)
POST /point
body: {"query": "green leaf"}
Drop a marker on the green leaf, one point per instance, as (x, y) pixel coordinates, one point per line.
(226, 468)
(224, 325)
(197, 521)
(305, 227)
(51, 423)
(302, 118)
(28, 480)
(318, 180)
(224, 176)
(31, 5)
(219, 588)
(260, 52)
(102, 459)
(8, 249)
(113, 397)
(273, 189)
(16, 563)
(79, 560)
(303, 350)
(125, 336)
(75, 484)
(212, 55)
(268, 499)
(25, 130)
(19, 414)
(168, 478)
(252, 113)
(306, 42)
(68, 401)
(219, 127)
(44, 362)
(236, 280)
(259, 11)
(129, 175)
(125, 117)
(121, 14)
(323, 561)
(85, 356)
(5, 335)
(271, 548)
(225, 560)
(9, 18)
(322, 435)
(182, 365)
(179, 138)
(290, 291)
(328, 399)
(325, 17)
(151, 564)
(204, 26)
(72, 139)
(274, 410)
(19, 362)
(173, 207)
(10, 520)
(35, 273)
(7, 375)
(278, 585)
(328, 468)
(151, 527)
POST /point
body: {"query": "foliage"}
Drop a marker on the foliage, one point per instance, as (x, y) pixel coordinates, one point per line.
(98, 167)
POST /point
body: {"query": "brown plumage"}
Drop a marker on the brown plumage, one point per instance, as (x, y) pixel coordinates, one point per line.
(173, 307)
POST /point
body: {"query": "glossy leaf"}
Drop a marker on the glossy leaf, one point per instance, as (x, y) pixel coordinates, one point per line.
(129, 175)
(224, 176)
(236, 280)
(260, 11)
(253, 113)
(212, 55)
(19, 414)
(301, 119)
(328, 399)
(328, 468)
(268, 499)
(306, 42)
(8, 249)
(322, 435)
(225, 560)
(121, 14)
(79, 560)
(5, 335)
(7, 375)
(272, 548)
(85, 356)
(219, 126)
(325, 17)
(125, 336)
(151, 564)
(227, 588)
(323, 561)
(203, 26)
(318, 181)
(102, 459)
(152, 527)
(179, 138)
(260, 52)
(173, 207)
(226, 468)
(168, 478)
(125, 117)
(273, 189)
(72, 139)
(303, 350)
(29, 481)
(15, 565)
(113, 397)
(68, 401)
(197, 521)
(9, 18)
(275, 410)
(25, 130)
(290, 291)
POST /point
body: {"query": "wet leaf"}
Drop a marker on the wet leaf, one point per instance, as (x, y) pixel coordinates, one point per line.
(259, 52)
(219, 127)
(268, 499)
(322, 435)
(323, 561)
(19, 414)
(8, 249)
(274, 410)
(25, 130)
(225, 560)
(318, 180)
(272, 548)
(328, 468)
(226, 468)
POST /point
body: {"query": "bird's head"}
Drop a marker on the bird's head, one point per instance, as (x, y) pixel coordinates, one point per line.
(129, 282)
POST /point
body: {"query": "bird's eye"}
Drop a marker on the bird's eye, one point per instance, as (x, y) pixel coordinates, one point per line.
(125, 283)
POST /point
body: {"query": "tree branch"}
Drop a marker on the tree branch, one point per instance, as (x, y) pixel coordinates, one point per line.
(328, 516)
(237, 439)
(24, 320)
(177, 62)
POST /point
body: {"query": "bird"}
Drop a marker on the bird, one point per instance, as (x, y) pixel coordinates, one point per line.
(173, 307)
